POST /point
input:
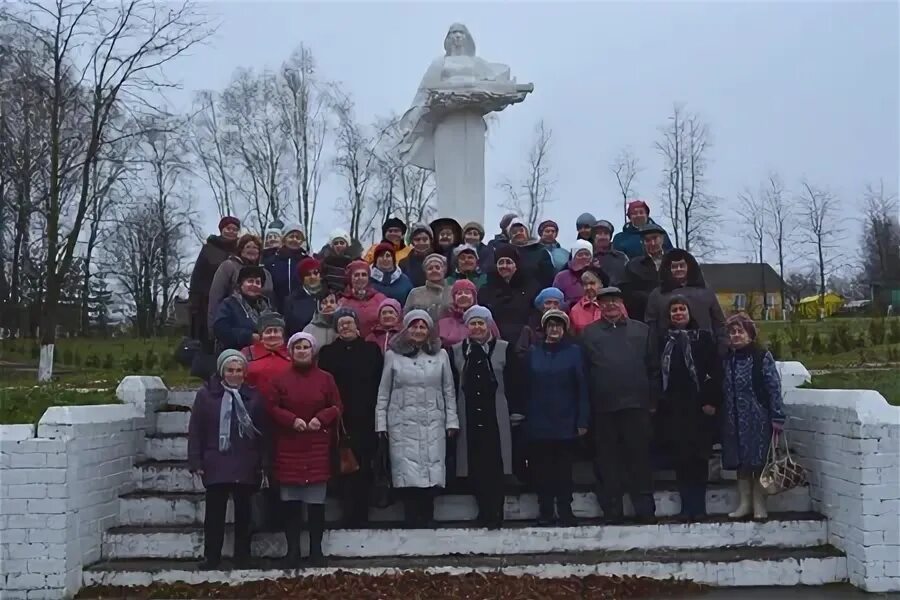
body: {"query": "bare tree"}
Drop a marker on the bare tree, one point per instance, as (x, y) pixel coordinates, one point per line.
(115, 51)
(684, 146)
(207, 140)
(355, 160)
(880, 247)
(625, 167)
(781, 224)
(753, 215)
(819, 232)
(534, 191)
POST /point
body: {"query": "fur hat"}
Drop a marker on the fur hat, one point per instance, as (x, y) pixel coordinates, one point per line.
(248, 238)
(391, 223)
(506, 251)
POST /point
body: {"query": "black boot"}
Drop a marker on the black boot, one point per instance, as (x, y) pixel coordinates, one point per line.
(426, 509)
(564, 510)
(546, 516)
(293, 526)
(316, 526)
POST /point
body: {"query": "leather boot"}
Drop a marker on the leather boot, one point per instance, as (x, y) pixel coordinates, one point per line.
(293, 527)
(546, 516)
(316, 526)
(564, 510)
(760, 513)
(745, 505)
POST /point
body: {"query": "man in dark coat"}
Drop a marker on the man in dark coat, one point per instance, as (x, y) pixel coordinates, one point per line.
(336, 255)
(509, 294)
(212, 254)
(623, 370)
(607, 258)
(300, 307)
(629, 239)
(535, 262)
(356, 367)
(642, 273)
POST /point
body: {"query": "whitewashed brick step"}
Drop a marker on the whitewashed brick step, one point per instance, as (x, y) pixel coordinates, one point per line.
(182, 398)
(173, 422)
(783, 531)
(166, 447)
(720, 567)
(149, 509)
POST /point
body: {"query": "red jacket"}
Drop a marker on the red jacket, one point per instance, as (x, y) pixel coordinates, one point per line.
(382, 337)
(303, 457)
(263, 365)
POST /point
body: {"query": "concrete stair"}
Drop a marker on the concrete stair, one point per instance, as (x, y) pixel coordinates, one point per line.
(160, 533)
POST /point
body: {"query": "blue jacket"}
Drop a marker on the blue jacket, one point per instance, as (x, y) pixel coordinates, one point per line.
(557, 391)
(282, 266)
(233, 327)
(558, 255)
(629, 241)
(395, 285)
(299, 309)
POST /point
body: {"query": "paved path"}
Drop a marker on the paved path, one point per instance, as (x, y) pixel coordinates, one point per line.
(839, 592)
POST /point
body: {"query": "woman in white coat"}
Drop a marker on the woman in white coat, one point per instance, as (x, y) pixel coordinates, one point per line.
(416, 412)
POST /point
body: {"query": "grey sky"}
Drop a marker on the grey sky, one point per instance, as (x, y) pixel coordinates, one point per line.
(808, 89)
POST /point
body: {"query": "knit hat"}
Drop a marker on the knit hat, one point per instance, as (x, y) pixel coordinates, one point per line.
(416, 315)
(356, 265)
(476, 226)
(506, 251)
(274, 228)
(229, 220)
(651, 228)
(635, 204)
(339, 234)
(344, 311)
(391, 303)
(391, 223)
(269, 318)
(420, 228)
(228, 356)
(478, 312)
(460, 285)
(464, 248)
(295, 226)
(250, 271)
(581, 245)
(385, 247)
(506, 220)
(547, 223)
(549, 293)
(585, 220)
(302, 335)
(434, 257)
(743, 321)
(555, 314)
(604, 224)
(306, 265)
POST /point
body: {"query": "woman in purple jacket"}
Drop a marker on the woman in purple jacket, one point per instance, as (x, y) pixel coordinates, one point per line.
(226, 449)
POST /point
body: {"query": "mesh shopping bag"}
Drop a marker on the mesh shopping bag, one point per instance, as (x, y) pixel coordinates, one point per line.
(781, 471)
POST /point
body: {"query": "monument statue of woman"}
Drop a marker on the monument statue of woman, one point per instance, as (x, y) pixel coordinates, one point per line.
(444, 129)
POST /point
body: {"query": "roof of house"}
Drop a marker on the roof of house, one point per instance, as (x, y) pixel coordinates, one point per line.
(740, 277)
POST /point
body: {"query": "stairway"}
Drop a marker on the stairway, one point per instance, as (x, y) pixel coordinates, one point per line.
(160, 536)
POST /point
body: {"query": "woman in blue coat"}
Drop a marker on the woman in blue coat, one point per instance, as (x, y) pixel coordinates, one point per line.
(387, 277)
(283, 264)
(235, 323)
(557, 412)
(752, 411)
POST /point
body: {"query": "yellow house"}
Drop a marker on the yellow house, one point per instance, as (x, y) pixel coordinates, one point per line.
(746, 287)
(808, 308)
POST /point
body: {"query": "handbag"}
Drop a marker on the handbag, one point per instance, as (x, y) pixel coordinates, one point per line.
(781, 471)
(381, 475)
(346, 460)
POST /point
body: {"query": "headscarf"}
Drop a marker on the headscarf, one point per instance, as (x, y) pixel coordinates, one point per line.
(232, 403)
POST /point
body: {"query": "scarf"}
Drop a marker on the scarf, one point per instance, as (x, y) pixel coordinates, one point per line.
(683, 338)
(253, 308)
(323, 320)
(385, 278)
(232, 401)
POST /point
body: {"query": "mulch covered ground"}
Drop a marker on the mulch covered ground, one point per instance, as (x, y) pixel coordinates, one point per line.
(416, 586)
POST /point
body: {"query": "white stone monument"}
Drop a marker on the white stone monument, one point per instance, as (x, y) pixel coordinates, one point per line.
(444, 129)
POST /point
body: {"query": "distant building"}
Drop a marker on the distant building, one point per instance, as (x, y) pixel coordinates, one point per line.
(826, 304)
(885, 294)
(746, 287)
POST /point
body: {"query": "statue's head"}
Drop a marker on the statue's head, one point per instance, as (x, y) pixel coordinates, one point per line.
(459, 41)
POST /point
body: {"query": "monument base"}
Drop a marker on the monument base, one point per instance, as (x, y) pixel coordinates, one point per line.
(459, 166)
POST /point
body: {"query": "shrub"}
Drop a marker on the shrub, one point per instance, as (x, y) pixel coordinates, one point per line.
(862, 340)
(799, 338)
(844, 337)
(150, 358)
(834, 344)
(92, 361)
(894, 335)
(877, 331)
(68, 357)
(817, 346)
(109, 362)
(35, 351)
(776, 347)
(134, 364)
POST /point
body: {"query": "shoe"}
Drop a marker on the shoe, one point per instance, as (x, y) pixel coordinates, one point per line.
(210, 564)
(760, 513)
(566, 516)
(745, 504)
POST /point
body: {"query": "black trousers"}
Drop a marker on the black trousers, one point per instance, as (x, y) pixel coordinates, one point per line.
(214, 521)
(355, 492)
(418, 506)
(486, 480)
(551, 469)
(623, 459)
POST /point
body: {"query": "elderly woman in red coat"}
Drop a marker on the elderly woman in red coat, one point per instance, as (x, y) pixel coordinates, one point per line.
(305, 407)
(269, 356)
(359, 295)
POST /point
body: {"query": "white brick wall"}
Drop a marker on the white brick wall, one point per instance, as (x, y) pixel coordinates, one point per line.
(60, 485)
(850, 443)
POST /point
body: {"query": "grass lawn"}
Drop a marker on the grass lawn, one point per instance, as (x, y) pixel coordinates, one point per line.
(885, 381)
(20, 405)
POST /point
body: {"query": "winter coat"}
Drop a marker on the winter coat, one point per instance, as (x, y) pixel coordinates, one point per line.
(366, 308)
(263, 365)
(323, 332)
(499, 358)
(751, 403)
(569, 283)
(531, 334)
(416, 406)
(628, 241)
(400, 252)
(613, 264)
(356, 368)
(485, 257)
(434, 299)
(394, 285)
(244, 461)
(556, 390)
(299, 309)
(353, 252)
(623, 366)
(583, 313)
(234, 326)
(452, 330)
(510, 302)
(334, 267)
(225, 283)
(559, 257)
(282, 267)
(478, 277)
(704, 306)
(212, 254)
(641, 278)
(412, 267)
(535, 264)
(382, 337)
(303, 457)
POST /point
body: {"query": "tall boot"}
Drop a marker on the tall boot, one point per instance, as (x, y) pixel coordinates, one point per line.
(546, 516)
(745, 505)
(426, 509)
(293, 526)
(316, 526)
(760, 513)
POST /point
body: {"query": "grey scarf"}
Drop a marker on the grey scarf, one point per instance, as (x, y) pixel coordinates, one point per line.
(682, 337)
(232, 401)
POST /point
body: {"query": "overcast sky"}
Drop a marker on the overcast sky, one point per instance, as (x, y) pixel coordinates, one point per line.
(809, 89)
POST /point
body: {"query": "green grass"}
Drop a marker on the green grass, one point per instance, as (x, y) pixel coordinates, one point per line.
(884, 381)
(21, 405)
(834, 342)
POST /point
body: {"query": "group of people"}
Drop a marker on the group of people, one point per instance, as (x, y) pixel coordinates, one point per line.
(436, 348)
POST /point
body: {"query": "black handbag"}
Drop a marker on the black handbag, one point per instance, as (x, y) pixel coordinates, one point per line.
(382, 485)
